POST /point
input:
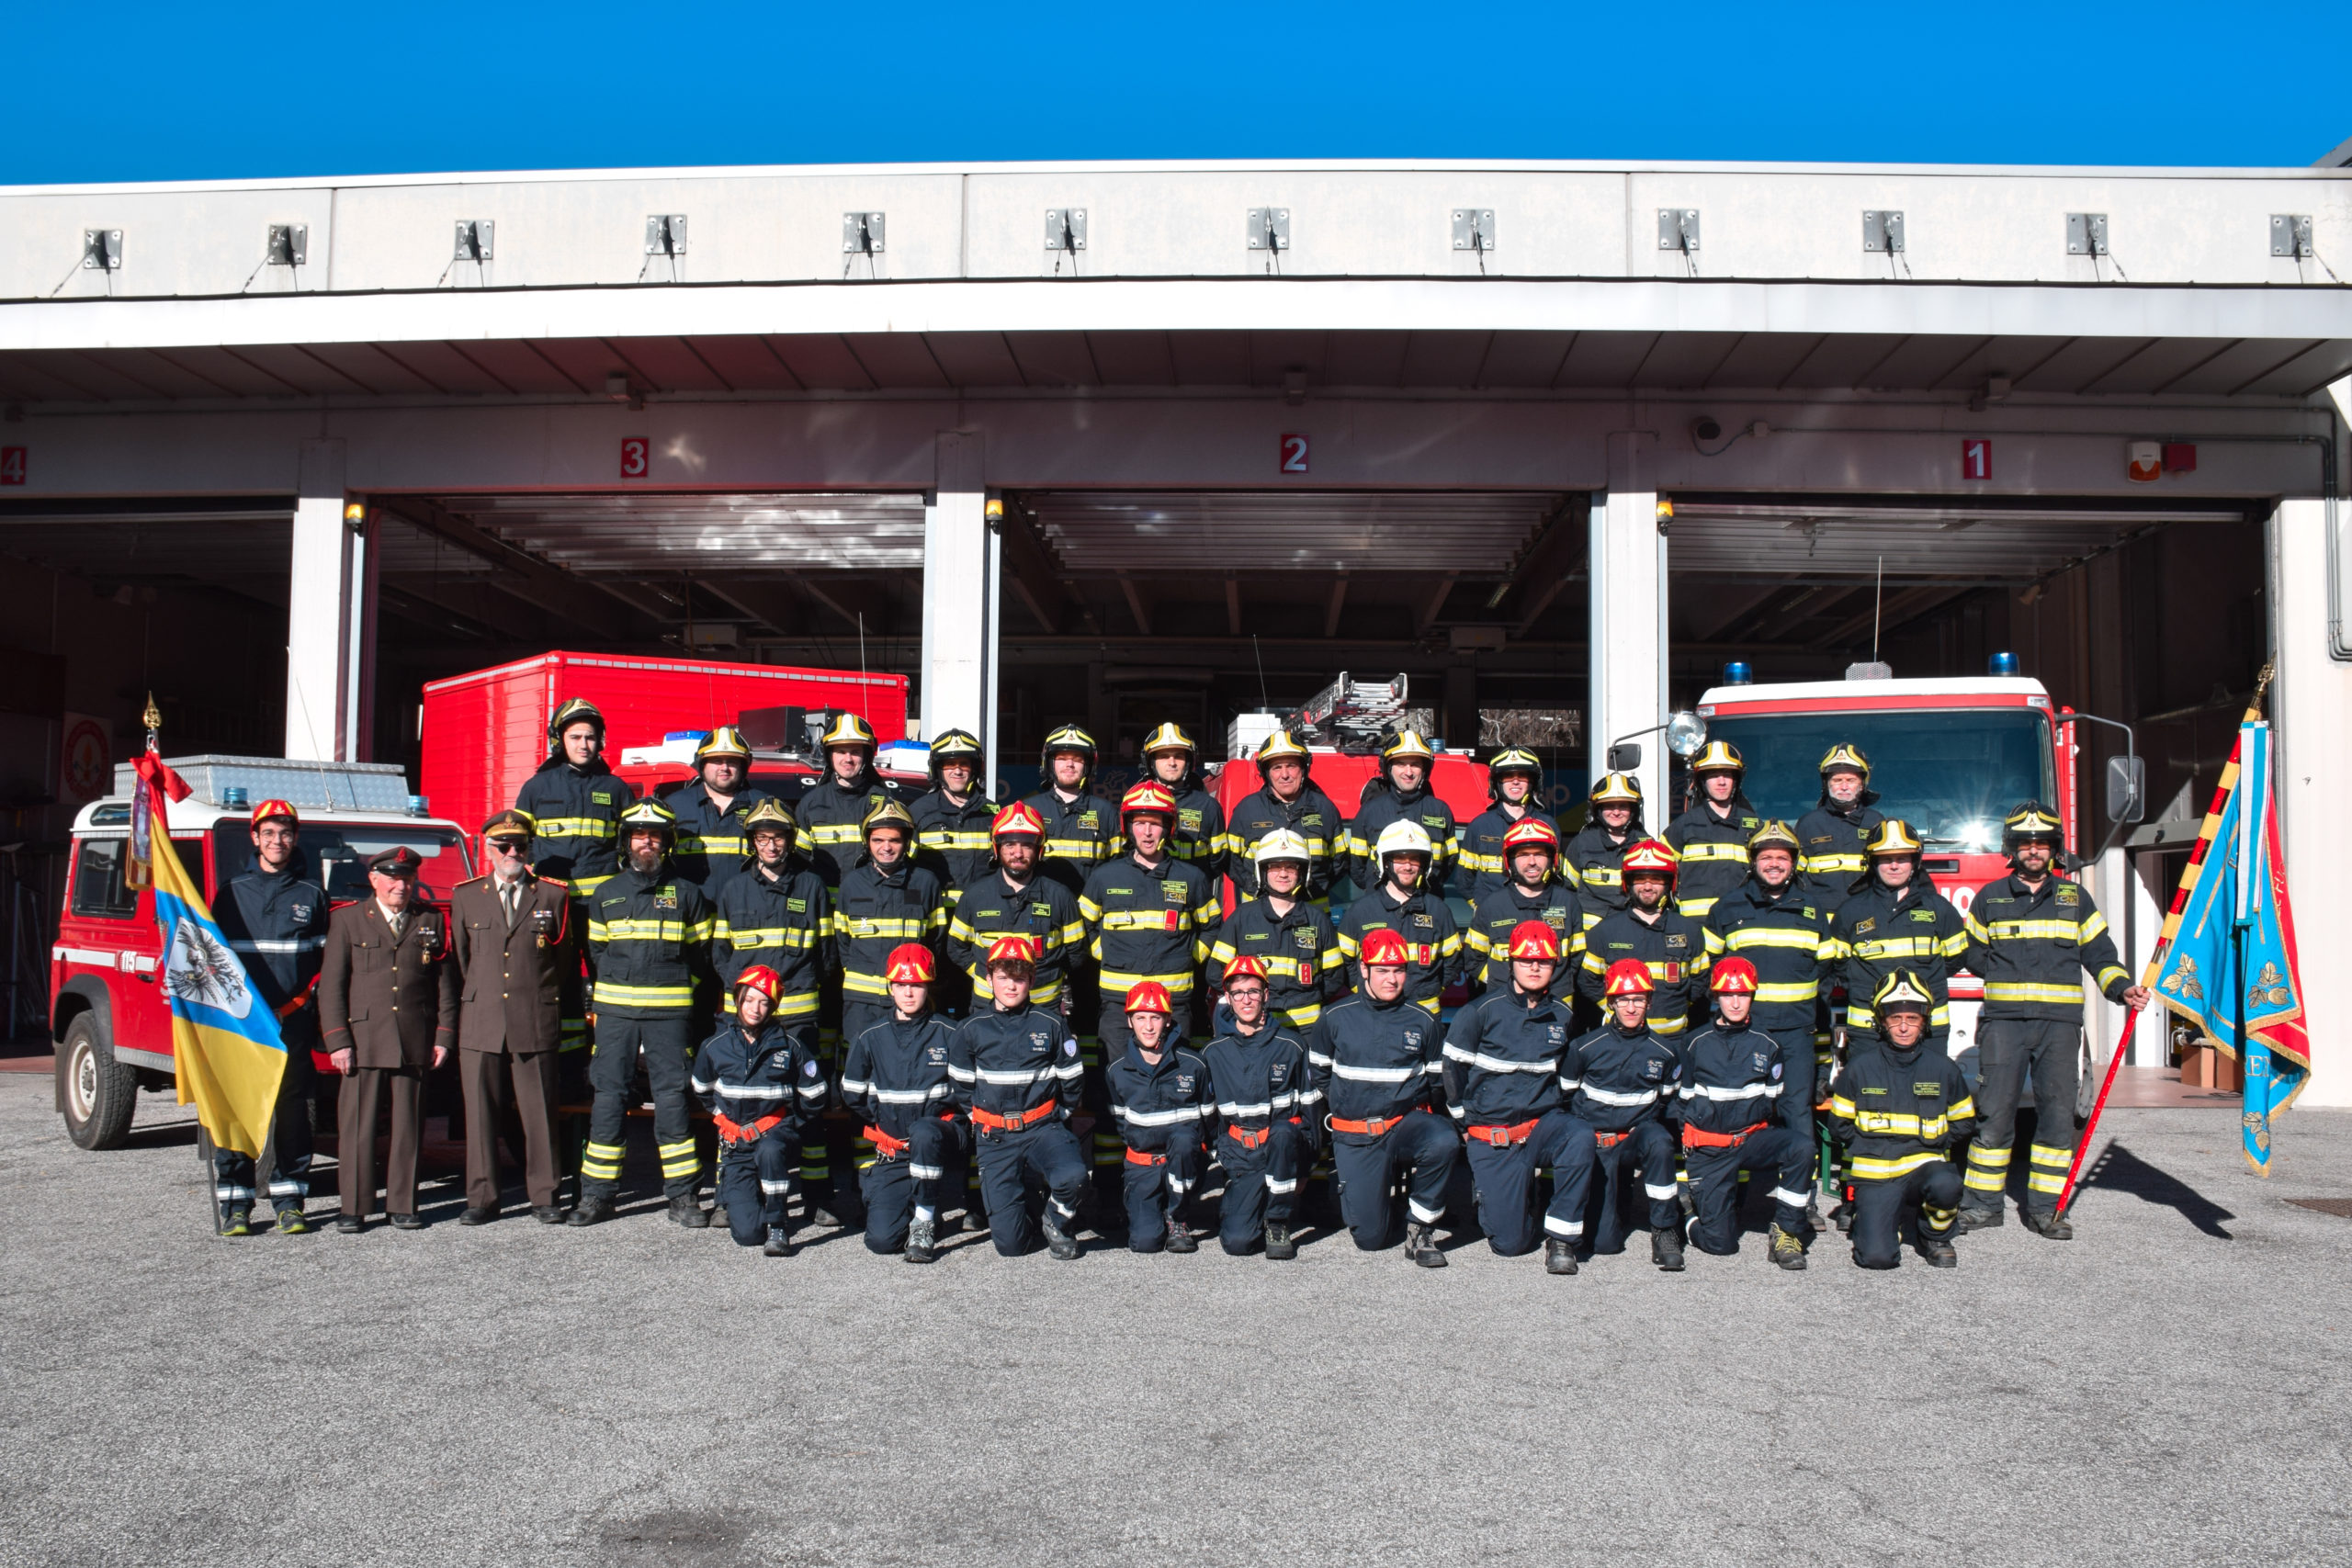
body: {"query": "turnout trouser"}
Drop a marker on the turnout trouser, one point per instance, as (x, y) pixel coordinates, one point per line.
(1503, 1182)
(2006, 1049)
(1260, 1183)
(1647, 1146)
(911, 1184)
(1797, 1096)
(1782, 1152)
(1423, 1146)
(364, 1092)
(486, 1077)
(1879, 1205)
(1155, 1186)
(613, 1074)
(756, 1183)
(290, 1146)
(1050, 1150)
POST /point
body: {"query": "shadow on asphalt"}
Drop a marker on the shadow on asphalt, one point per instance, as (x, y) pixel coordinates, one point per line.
(2118, 1170)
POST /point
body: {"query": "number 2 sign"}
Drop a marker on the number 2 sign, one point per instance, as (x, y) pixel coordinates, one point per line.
(635, 458)
(1977, 458)
(1294, 454)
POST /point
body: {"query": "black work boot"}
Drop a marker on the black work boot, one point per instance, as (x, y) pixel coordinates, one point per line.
(2052, 1224)
(1937, 1249)
(779, 1242)
(921, 1243)
(821, 1213)
(1842, 1216)
(1280, 1243)
(1421, 1245)
(1666, 1248)
(1179, 1237)
(1559, 1256)
(593, 1208)
(685, 1209)
(1058, 1242)
(1785, 1249)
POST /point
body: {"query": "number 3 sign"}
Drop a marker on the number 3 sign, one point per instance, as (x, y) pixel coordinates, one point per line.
(634, 459)
(1294, 454)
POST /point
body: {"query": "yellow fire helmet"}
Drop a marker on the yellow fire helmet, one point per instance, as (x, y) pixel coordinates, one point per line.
(849, 730)
(1774, 835)
(650, 813)
(1406, 746)
(1902, 990)
(1282, 746)
(1894, 838)
(574, 710)
(1512, 760)
(769, 816)
(724, 741)
(1845, 757)
(1168, 738)
(1720, 756)
(1069, 738)
(1616, 789)
(2032, 822)
(887, 813)
(955, 745)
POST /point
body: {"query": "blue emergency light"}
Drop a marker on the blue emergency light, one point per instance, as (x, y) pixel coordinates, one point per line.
(2002, 664)
(1738, 672)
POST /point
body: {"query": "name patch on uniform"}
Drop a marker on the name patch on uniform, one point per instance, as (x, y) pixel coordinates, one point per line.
(1042, 1041)
(1044, 909)
(1303, 938)
(1412, 1037)
(1760, 1058)
(1808, 911)
(937, 1054)
(1862, 928)
(1927, 916)
(602, 796)
(1928, 1090)
(1312, 820)
(665, 898)
(1172, 891)
(2069, 895)
(302, 911)
(1421, 919)
(1183, 1083)
(1187, 821)
(1556, 1034)
(1675, 942)
(1868, 1090)
(798, 906)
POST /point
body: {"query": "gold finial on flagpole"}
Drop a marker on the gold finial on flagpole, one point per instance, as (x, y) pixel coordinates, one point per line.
(2262, 685)
(153, 718)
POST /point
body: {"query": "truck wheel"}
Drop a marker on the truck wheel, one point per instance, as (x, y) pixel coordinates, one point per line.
(97, 1092)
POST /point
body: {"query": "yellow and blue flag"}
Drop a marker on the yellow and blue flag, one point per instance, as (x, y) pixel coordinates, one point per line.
(229, 1054)
(2230, 961)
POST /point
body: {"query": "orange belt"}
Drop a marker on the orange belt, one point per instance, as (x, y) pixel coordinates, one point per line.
(1501, 1136)
(996, 1124)
(1249, 1140)
(1371, 1126)
(734, 1132)
(1611, 1140)
(1136, 1156)
(299, 1000)
(888, 1147)
(1700, 1138)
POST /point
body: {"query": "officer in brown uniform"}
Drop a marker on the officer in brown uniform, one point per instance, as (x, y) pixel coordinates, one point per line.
(388, 1011)
(515, 949)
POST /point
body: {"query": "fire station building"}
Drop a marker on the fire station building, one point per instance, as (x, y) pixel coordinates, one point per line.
(1123, 442)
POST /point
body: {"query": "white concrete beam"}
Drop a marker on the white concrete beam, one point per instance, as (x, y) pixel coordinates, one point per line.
(321, 642)
(1628, 586)
(958, 637)
(2312, 700)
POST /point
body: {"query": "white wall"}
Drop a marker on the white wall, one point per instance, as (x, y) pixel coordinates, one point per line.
(2313, 711)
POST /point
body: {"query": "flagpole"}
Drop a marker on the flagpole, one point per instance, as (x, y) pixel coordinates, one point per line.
(2157, 959)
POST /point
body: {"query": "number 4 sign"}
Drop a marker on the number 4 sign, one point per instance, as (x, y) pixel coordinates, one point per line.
(634, 459)
(1294, 454)
(12, 465)
(1977, 458)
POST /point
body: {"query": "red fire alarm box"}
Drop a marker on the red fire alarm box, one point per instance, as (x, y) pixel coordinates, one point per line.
(2180, 457)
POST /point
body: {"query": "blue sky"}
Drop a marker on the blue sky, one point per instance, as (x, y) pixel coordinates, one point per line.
(139, 91)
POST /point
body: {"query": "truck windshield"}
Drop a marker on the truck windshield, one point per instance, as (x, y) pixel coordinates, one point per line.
(1952, 773)
(336, 854)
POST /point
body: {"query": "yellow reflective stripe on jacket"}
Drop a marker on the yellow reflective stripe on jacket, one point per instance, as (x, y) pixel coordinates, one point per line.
(766, 939)
(638, 929)
(1479, 863)
(1902, 1124)
(1815, 864)
(796, 1004)
(2032, 991)
(709, 844)
(2094, 928)
(1602, 876)
(1895, 947)
(906, 928)
(1776, 936)
(578, 828)
(2023, 931)
(1696, 907)
(1864, 1168)
(1119, 980)
(1788, 991)
(1089, 850)
(831, 833)
(611, 993)
(1144, 920)
(954, 839)
(1722, 852)
(2109, 975)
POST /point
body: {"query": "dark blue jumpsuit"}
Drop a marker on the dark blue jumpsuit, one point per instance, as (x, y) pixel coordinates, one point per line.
(1502, 1086)
(1378, 1063)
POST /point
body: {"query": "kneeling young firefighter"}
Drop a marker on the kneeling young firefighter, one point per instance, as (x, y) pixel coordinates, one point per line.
(1896, 1108)
(1272, 1117)
(1619, 1080)
(1374, 1057)
(1502, 1086)
(761, 1078)
(896, 1078)
(1734, 1076)
(1159, 1098)
(1017, 1076)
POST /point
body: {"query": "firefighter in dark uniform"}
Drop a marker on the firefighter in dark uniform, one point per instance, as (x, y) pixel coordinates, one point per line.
(1271, 1115)
(1293, 942)
(895, 1080)
(778, 915)
(885, 900)
(1081, 830)
(576, 801)
(1404, 902)
(1734, 1076)
(2031, 938)
(518, 963)
(1016, 1074)
(274, 918)
(1160, 1101)
(1534, 891)
(952, 819)
(1619, 1080)
(711, 812)
(1831, 837)
(1649, 929)
(1898, 1108)
(1710, 840)
(1401, 794)
(1895, 919)
(1374, 1058)
(1502, 1086)
(833, 813)
(1286, 799)
(1011, 899)
(761, 1079)
(1512, 778)
(1170, 756)
(1774, 919)
(1612, 821)
(650, 934)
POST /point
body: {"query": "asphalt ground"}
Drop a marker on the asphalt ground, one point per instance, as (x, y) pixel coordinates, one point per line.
(2170, 1387)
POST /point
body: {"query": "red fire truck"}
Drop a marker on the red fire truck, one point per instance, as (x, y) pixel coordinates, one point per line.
(107, 1009)
(1948, 756)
